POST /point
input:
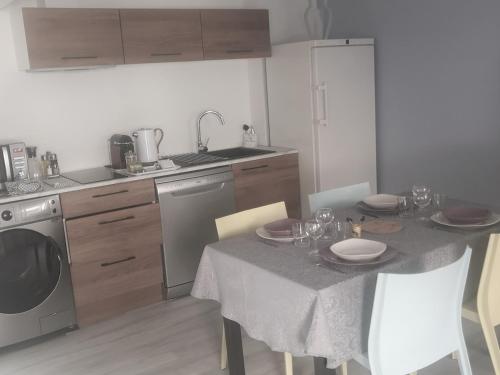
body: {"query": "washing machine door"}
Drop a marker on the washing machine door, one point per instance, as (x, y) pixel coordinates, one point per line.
(30, 267)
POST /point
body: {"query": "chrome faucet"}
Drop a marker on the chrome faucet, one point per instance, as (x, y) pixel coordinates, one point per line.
(202, 147)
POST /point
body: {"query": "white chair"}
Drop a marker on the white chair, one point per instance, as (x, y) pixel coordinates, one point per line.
(343, 197)
(416, 320)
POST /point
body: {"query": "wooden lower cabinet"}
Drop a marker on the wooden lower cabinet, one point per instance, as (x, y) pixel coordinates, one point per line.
(116, 261)
(270, 180)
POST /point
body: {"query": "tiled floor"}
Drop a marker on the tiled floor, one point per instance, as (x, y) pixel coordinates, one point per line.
(175, 338)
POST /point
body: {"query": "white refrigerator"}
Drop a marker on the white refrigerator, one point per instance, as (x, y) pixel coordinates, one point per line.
(321, 98)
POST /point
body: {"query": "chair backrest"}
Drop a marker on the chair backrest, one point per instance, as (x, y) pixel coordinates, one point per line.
(343, 197)
(416, 319)
(249, 220)
(488, 299)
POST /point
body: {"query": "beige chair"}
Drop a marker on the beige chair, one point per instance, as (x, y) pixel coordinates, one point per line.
(487, 309)
(246, 222)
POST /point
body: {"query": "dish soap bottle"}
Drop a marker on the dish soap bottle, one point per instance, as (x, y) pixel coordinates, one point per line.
(250, 139)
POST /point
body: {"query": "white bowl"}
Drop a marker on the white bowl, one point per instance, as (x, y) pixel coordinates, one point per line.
(382, 201)
(358, 249)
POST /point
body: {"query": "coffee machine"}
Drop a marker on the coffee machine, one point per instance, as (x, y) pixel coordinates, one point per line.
(119, 145)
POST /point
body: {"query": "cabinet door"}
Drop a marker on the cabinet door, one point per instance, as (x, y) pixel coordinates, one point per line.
(60, 38)
(265, 181)
(161, 35)
(116, 261)
(235, 34)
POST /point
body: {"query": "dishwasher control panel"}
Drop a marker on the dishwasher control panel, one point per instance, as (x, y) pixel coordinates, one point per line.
(194, 182)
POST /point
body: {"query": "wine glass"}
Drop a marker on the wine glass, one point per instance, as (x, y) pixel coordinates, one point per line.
(314, 229)
(325, 216)
(421, 195)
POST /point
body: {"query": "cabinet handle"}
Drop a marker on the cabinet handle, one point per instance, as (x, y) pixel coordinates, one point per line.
(159, 54)
(239, 50)
(116, 220)
(108, 194)
(253, 168)
(79, 57)
(107, 264)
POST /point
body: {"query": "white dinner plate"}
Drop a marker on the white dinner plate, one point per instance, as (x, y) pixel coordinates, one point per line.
(262, 233)
(331, 258)
(358, 249)
(440, 219)
(382, 201)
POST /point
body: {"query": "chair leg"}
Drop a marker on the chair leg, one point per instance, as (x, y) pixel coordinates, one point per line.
(414, 373)
(492, 343)
(288, 364)
(343, 368)
(463, 359)
(223, 351)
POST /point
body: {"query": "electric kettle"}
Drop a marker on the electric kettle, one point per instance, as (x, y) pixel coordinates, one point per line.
(146, 144)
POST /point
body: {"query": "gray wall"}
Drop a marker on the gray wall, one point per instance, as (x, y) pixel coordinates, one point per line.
(438, 91)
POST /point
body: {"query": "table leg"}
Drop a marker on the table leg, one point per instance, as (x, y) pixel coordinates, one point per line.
(235, 360)
(320, 367)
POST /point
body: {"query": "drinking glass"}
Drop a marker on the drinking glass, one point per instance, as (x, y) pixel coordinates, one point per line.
(314, 229)
(300, 236)
(405, 205)
(439, 201)
(339, 230)
(421, 195)
(325, 216)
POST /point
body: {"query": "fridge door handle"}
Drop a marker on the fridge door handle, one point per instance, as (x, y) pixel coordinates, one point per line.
(322, 104)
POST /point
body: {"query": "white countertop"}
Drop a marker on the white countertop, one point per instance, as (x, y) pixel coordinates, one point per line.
(48, 190)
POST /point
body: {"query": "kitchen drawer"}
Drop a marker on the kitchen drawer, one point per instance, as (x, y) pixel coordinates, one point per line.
(90, 201)
(116, 261)
(266, 165)
(270, 180)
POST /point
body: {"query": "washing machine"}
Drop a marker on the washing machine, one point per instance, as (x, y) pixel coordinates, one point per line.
(36, 296)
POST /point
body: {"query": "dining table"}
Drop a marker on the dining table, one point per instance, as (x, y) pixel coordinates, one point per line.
(296, 303)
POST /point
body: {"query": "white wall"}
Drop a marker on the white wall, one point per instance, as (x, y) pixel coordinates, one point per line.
(73, 113)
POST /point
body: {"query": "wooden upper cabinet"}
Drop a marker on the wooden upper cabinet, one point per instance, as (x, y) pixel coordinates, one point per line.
(160, 35)
(235, 33)
(64, 38)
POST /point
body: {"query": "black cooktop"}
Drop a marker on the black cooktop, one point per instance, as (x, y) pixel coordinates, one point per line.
(89, 176)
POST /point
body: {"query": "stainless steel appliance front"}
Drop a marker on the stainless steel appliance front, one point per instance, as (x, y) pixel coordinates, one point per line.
(35, 283)
(189, 204)
(13, 162)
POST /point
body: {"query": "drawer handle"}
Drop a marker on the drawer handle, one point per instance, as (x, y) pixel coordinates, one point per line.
(107, 264)
(116, 220)
(79, 57)
(159, 54)
(239, 50)
(253, 168)
(108, 194)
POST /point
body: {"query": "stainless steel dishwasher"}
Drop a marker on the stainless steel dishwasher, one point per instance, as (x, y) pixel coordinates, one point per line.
(189, 205)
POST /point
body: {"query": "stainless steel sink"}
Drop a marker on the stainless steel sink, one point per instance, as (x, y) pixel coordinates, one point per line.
(238, 153)
(192, 159)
